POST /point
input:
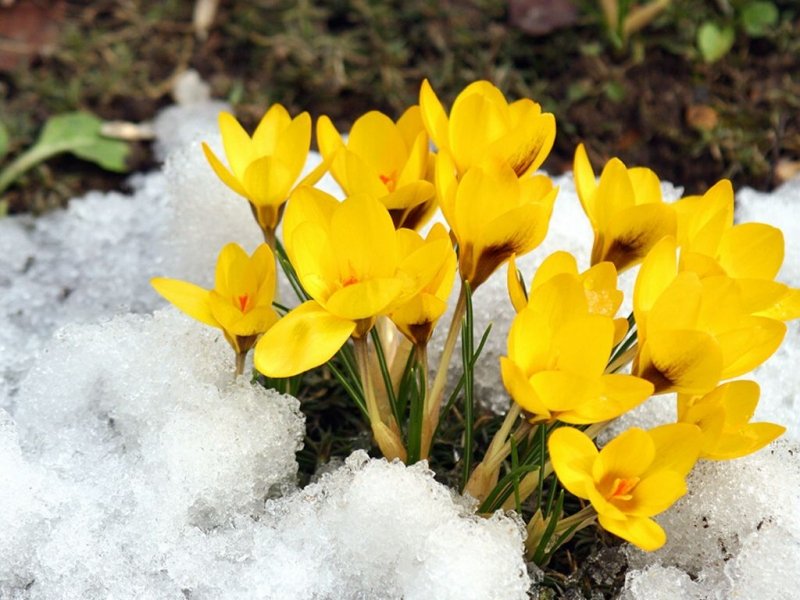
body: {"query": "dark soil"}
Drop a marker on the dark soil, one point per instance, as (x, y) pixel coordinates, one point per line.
(653, 103)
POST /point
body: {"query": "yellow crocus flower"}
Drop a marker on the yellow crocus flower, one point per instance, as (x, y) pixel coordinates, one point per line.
(483, 127)
(240, 303)
(417, 317)
(348, 258)
(386, 160)
(695, 332)
(266, 167)
(723, 416)
(751, 253)
(557, 355)
(599, 284)
(625, 209)
(635, 476)
(493, 215)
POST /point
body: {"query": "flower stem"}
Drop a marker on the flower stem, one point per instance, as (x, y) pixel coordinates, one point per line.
(240, 359)
(385, 435)
(433, 400)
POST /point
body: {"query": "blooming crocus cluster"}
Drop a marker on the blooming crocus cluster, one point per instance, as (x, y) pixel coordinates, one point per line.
(373, 283)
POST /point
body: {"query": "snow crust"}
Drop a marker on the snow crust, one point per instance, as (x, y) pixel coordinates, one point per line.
(132, 465)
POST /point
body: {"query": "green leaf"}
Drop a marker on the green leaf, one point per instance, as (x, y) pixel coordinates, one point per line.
(3, 140)
(714, 41)
(758, 17)
(79, 134)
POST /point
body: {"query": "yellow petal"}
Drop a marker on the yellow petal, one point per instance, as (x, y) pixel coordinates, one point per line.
(646, 186)
(410, 125)
(655, 494)
(365, 299)
(328, 138)
(749, 439)
(753, 341)
(268, 181)
(572, 454)
(446, 185)
(482, 196)
(560, 391)
(703, 219)
(618, 395)
(684, 361)
(678, 306)
(677, 447)
(255, 322)
(642, 532)
(263, 264)
(634, 231)
(520, 389)
(271, 128)
(555, 264)
(188, 297)
(658, 270)
(761, 295)
(516, 287)
(614, 194)
(416, 164)
(222, 172)
(752, 250)
(585, 184)
(305, 338)
(376, 140)
(313, 258)
(237, 144)
(516, 232)
(583, 345)
(786, 308)
(475, 122)
(308, 204)
(626, 456)
(526, 146)
(293, 145)
(363, 239)
(600, 285)
(231, 265)
(362, 177)
(434, 116)
(559, 300)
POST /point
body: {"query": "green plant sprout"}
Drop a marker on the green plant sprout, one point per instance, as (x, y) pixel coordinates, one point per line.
(715, 39)
(77, 133)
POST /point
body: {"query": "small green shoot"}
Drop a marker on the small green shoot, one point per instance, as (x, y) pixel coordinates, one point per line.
(77, 133)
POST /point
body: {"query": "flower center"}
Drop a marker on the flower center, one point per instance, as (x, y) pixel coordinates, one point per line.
(243, 302)
(390, 181)
(622, 488)
(350, 281)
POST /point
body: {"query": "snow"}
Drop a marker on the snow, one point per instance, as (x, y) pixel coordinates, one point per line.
(134, 465)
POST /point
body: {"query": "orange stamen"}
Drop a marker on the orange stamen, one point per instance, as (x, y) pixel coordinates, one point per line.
(243, 300)
(390, 181)
(622, 488)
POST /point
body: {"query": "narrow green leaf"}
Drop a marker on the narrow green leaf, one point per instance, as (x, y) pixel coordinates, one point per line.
(4, 137)
(387, 378)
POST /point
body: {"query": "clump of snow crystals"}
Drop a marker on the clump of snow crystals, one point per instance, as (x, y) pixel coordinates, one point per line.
(132, 465)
